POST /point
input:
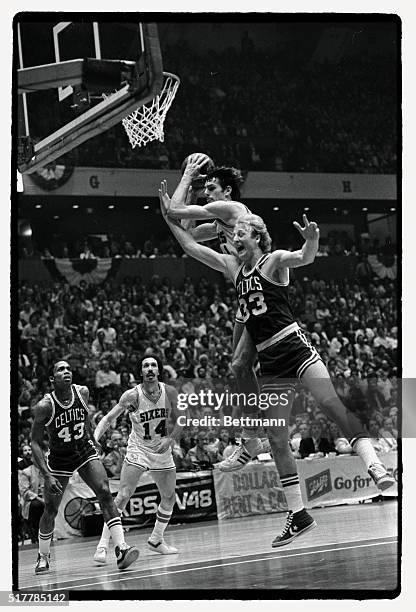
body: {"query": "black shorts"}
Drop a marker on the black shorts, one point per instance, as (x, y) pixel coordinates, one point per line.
(288, 358)
(65, 465)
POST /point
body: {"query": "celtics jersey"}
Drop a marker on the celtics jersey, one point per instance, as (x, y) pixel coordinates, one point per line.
(150, 419)
(67, 426)
(264, 303)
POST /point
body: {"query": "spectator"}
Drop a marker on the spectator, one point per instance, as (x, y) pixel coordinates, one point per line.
(315, 444)
(198, 455)
(337, 343)
(110, 333)
(104, 376)
(374, 396)
(113, 460)
(125, 380)
(384, 384)
(389, 433)
(381, 445)
(99, 346)
(338, 443)
(26, 457)
(31, 485)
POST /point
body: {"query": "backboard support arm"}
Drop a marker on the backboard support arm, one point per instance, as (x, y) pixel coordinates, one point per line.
(105, 114)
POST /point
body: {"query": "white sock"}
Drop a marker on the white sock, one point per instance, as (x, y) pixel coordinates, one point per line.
(45, 540)
(365, 450)
(162, 521)
(291, 489)
(106, 535)
(116, 530)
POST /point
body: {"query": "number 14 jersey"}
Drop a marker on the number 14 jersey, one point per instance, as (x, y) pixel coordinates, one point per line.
(150, 418)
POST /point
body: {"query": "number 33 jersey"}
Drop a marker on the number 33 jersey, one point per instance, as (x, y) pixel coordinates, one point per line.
(264, 303)
(150, 417)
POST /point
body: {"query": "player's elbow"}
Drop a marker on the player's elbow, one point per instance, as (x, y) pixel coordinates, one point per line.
(308, 259)
(191, 249)
(173, 214)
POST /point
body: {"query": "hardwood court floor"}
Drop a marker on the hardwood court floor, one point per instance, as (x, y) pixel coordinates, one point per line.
(353, 547)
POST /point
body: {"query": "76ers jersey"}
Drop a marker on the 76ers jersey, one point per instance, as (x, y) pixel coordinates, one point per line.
(264, 303)
(149, 421)
(67, 429)
(225, 233)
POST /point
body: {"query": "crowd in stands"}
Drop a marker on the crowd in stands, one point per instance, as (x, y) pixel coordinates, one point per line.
(103, 330)
(118, 245)
(259, 111)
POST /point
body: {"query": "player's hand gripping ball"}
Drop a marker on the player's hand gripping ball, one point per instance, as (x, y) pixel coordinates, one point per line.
(206, 165)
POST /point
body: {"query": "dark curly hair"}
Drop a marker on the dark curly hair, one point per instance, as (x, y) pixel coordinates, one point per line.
(228, 177)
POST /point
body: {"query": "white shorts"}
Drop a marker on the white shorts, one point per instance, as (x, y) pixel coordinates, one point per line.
(146, 460)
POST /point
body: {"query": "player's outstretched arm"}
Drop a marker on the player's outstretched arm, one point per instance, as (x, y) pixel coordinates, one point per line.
(124, 403)
(226, 264)
(214, 210)
(305, 255)
(42, 414)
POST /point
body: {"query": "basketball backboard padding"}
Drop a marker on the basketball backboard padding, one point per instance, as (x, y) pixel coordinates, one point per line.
(107, 113)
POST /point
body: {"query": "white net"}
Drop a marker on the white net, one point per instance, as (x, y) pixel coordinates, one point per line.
(146, 123)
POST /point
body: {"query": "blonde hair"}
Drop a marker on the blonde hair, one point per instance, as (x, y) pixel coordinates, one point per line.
(258, 227)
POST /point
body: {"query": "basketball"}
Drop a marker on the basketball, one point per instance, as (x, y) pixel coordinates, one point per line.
(207, 167)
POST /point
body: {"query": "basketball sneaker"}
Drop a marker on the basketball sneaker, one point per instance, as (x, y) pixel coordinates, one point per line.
(296, 524)
(126, 556)
(381, 476)
(101, 555)
(242, 455)
(162, 547)
(42, 564)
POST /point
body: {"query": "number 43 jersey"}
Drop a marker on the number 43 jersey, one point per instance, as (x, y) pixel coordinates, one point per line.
(67, 426)
(149, 420)
(264, 303)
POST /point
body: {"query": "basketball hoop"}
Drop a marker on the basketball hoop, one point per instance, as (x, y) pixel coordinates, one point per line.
(146, 122)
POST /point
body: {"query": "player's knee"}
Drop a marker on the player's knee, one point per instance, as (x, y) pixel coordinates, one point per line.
(103, 493)
(168, 501)
(123, 496)
(51, 509)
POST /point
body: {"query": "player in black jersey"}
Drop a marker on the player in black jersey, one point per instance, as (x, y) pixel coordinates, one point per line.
(261, 278)
(64, 415)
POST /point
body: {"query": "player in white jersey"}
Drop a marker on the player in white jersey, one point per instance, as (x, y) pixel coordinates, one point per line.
(222, 192)
(152, 409)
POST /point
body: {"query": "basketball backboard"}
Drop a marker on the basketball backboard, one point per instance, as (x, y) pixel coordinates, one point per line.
(78, 79)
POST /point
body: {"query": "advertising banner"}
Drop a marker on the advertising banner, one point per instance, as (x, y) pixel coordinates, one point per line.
(256, 489)
(342, 479)
(195, 500)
